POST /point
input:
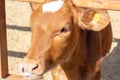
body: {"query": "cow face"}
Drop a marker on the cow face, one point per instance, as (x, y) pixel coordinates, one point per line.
(52, 39)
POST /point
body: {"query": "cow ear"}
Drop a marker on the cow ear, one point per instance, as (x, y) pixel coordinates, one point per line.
(91, 19)
(34, 5)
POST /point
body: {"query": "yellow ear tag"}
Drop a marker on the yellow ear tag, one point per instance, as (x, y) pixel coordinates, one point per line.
(96, 17)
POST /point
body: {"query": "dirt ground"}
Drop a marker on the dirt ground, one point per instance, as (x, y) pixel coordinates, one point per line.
(19, 37)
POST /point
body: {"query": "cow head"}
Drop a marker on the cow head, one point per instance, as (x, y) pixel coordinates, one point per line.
(55, 33)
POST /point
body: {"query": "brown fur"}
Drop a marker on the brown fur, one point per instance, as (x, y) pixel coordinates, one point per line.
(61, 45)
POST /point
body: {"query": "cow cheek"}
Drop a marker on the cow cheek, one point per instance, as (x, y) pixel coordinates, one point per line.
(59, 51)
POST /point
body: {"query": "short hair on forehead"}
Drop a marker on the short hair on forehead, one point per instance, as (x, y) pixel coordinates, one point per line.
(52, 6)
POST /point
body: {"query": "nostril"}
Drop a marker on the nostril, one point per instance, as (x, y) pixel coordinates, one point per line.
(23, 69)
(35, 67)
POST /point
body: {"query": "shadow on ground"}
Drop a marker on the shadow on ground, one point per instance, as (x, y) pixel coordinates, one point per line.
(111, 63)
(16, 54)
(20, 28)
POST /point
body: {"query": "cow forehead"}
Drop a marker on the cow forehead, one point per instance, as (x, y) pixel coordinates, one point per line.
(53, 22)
(52, 6)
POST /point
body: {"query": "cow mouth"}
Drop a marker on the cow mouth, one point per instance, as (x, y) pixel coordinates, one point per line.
(30, 75)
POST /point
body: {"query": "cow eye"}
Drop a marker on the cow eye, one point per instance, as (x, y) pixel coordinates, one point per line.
(65, 29)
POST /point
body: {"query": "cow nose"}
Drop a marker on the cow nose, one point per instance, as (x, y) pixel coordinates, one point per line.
(29, 67)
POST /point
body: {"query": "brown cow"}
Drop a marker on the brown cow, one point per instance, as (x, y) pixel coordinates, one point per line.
(67, 41)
